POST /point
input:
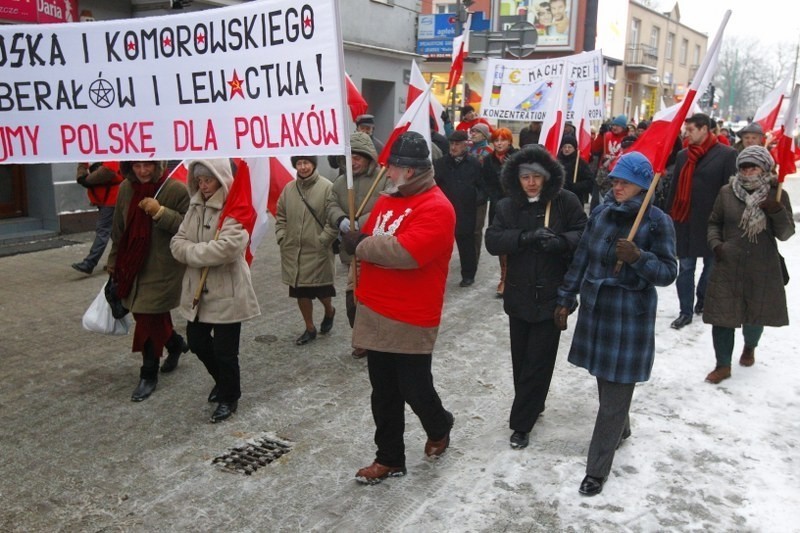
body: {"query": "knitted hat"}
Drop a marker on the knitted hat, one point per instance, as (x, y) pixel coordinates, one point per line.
(756, 155)
(482, 128)
(569, 139)
(635, 168)
(526, 169)
(410, 150)
(620, 120)
(458, 136)
(310, 158)
(753, 127)
(467, 109)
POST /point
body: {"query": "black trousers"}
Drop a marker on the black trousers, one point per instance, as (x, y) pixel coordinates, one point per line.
(611, 425)
(217, 346)
(534, 347)
(467, 255)
(398, 379)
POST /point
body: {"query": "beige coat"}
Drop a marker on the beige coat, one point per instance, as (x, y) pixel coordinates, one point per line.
(228, 296)
(157, 288)
(307, 258)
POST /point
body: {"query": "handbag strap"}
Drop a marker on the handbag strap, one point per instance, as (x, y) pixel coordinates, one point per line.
(313, 214)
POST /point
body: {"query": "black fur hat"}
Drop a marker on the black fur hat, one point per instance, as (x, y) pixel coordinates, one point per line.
(532, 153)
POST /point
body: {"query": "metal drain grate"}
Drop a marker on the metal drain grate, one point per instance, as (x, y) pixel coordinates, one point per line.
(252, 456)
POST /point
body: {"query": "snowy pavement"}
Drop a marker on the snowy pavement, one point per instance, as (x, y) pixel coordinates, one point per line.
(79, 456)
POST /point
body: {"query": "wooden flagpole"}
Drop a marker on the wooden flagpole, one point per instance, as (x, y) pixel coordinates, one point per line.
(631, 234)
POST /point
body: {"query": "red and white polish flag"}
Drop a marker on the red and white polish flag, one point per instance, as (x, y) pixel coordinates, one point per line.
(553, 123)
(658, 139)
(414, 119)
(767, 113)
(787, 149)
(460, 50)
(416, 86)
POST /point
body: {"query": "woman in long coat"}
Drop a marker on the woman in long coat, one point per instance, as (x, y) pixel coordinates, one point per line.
(538, 257)
(149, 211)
(746, 286)
(227, 297)
(305, 240)
(614, 337)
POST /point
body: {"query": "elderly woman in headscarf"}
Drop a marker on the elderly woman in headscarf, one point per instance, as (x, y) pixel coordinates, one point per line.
(226, 296)
(746, 286)
(149, 211)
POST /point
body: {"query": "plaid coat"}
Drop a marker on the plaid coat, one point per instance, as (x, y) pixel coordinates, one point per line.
(614, 337)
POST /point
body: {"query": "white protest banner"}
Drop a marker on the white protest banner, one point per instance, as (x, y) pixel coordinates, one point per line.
(258, 79)
(524, 90)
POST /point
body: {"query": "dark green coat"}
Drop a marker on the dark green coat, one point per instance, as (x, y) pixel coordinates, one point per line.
(157, 288)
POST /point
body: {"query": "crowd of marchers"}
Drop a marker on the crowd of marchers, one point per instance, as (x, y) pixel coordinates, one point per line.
(174, 246)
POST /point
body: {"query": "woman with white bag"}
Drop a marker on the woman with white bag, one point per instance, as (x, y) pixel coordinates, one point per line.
(226, 295)
(150, 208)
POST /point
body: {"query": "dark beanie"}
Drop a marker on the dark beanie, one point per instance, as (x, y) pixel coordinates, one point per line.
(410, 150)
(569, 139)
(295, 158)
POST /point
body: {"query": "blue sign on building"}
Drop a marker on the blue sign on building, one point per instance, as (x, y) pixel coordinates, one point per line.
(435, 33)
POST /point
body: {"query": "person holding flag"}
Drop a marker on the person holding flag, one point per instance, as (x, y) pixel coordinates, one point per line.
(150, 208)
(212, 242)
(746, 286)
(701, 169)
(614, 337)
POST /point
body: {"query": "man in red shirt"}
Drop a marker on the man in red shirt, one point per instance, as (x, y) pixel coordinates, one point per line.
(102, 184)
(404, 252)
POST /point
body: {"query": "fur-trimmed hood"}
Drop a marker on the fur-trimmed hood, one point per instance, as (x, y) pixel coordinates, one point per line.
(532, 154)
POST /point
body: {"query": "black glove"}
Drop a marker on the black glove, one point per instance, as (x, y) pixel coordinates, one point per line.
(627, 252)
(351, 239)
(445, 116)
(560, 317)
(719, 255)
(527, 239)
(82, 182)
(547, 240)
(770, 206)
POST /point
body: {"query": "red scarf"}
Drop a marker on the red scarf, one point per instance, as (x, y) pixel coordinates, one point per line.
(683, 195)
(135, 241)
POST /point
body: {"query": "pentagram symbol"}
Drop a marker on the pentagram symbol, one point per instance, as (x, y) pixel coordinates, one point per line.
(101, 93)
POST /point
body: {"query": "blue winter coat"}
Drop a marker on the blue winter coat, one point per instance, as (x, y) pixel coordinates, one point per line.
(614, 337)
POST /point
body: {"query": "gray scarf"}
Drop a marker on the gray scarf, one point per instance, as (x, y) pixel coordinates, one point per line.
(752, 191)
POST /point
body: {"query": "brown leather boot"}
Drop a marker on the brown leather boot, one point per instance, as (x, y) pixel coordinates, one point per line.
(748, 357)
(503, 267)
(718, 374)
(376, 472)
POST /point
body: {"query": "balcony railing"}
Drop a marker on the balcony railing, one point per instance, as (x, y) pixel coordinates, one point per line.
(641, 57)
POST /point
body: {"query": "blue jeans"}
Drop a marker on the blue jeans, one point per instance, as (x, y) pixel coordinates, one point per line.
(685, 282)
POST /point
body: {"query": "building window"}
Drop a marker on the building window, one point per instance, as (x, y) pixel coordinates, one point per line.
(636, 25)
(445, 7)
(655, 37)
(668, 51)
(684, 51)
(696, 56)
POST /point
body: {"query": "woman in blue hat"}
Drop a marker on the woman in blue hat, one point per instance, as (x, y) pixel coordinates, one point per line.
(614, 336)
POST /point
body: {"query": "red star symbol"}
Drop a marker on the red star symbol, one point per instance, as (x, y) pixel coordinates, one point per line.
(131, 45)
(236, 85)
(572, 84)
(167, 41)
(549, 84)
(201, 38)
(307, 22)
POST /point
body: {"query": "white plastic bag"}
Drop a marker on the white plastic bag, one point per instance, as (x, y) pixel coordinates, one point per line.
(98, 318)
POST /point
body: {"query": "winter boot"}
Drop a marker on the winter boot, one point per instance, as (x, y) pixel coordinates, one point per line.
(148, 375)
(176, 345)
(503, 267)
(718, 374)
(748, 357)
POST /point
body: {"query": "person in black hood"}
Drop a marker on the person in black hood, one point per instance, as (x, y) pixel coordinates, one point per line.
(537, 225)
(579, 182)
